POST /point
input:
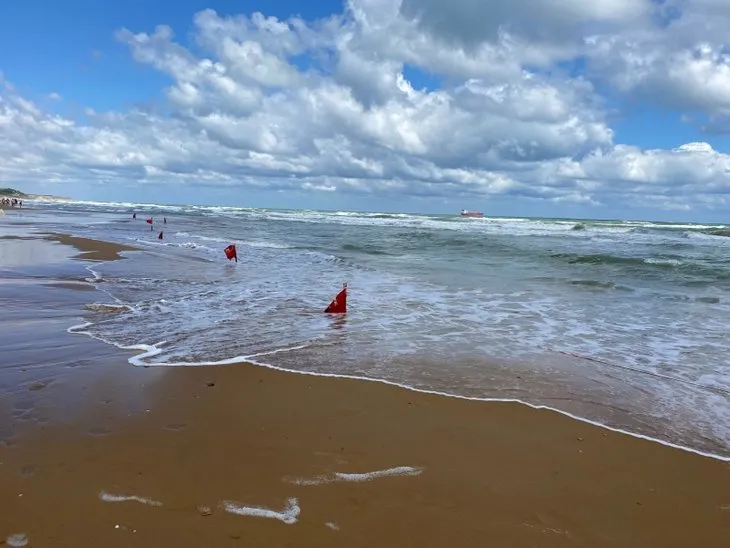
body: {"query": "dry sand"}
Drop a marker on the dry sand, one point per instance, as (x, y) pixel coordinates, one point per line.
(485, 474)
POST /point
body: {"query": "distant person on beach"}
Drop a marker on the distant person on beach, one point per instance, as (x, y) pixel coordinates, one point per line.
(134, 215)
(10, 202)
(164, 220)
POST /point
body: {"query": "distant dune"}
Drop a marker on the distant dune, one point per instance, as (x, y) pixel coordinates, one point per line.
(14, 193)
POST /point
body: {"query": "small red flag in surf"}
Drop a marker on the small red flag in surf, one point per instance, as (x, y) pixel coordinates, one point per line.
(160, 236)
(230, 252)
(339, 303)
(149, 221)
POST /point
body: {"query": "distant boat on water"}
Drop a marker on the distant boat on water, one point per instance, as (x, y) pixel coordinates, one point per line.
(465, 213)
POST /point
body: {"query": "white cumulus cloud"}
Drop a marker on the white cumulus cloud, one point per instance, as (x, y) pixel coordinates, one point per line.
(331, 106)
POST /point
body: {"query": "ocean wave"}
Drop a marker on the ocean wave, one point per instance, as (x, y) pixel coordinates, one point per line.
(430, 290)
(664, 262)
(719, 232)
(108, 308)
(453, 221)
(600, 259)
(594, 284)
(367, 249)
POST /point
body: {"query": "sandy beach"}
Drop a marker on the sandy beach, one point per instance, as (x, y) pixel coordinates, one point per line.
(241, 455)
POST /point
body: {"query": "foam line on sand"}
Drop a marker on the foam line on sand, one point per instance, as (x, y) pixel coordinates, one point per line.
(365, 476)
(148, 351)
(110, 497)
(289, 515)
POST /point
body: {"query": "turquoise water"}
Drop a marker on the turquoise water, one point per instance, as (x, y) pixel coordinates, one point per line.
(620, 322)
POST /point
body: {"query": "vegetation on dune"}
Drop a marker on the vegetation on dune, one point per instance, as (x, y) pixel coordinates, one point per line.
(11, 192)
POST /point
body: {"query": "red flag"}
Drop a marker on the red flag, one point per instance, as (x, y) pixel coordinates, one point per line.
(339, 303)
(160, 236)
(149, 221)
(230, 252)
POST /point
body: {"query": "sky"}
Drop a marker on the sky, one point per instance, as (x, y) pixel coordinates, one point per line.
(555, 108)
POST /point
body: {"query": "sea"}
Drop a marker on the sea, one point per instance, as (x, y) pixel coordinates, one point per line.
(622, 323)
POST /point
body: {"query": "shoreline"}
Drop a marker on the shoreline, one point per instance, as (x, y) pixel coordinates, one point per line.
(142, 351)
(98, 251)
(92, 249)
(224, 450)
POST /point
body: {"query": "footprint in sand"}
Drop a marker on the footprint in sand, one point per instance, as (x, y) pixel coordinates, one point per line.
(28, 470)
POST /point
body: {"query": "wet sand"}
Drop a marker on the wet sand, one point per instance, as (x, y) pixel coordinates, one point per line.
(92, 250)
(84, 422)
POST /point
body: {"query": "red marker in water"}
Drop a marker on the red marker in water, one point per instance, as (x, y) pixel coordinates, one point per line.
(230, 252)
(339, 303)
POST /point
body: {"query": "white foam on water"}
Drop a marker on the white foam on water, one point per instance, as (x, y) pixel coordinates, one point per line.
(332, 526)
(146, 350)
(261, 244)
(361, 477)
(289, 515)
(17, 540)
(96, 275)
(189, 245)
(518, 226)
(109, 497)
(549, 323)
(153, 350)
(667, 262)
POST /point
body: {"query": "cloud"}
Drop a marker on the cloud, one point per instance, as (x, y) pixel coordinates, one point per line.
(691, 175)
(326, 107)
(549, 22)
(681, 60)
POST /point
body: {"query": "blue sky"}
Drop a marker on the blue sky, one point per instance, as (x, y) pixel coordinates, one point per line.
(603, 142)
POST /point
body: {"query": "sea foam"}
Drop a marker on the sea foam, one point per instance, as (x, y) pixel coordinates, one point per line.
(109, 497)
(361, 477)
(289, 515)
